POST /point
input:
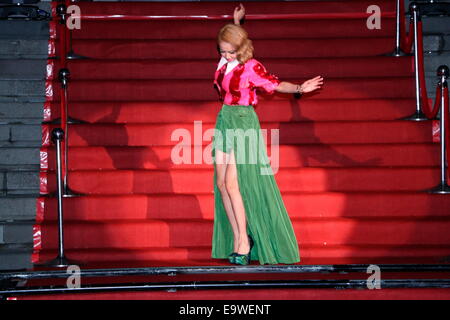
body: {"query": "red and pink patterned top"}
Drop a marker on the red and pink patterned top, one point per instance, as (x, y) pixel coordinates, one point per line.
(238, 85)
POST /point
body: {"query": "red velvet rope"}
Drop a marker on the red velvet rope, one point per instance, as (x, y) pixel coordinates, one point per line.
(427, 110)
(406, 39)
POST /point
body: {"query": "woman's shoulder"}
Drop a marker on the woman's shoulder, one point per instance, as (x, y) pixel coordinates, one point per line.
(253, 64)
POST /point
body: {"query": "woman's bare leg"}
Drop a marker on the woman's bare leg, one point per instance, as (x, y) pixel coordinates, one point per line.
(232, 187)
(221, 164)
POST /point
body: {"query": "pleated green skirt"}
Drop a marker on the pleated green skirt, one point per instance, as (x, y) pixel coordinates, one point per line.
(268, 223)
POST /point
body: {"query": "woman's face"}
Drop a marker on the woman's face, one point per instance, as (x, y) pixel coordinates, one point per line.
(227, 51)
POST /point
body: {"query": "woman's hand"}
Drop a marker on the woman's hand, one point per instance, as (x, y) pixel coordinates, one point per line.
(239, 13)
(311, 84)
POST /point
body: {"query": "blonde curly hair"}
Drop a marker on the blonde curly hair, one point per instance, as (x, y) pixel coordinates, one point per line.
(238, 38)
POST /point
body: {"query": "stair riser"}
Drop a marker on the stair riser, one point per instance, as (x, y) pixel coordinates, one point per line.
(200, 133)
(203, 90)
(257, 29)
(204, 69)
(299, 205)
(275, 110)
(205, 254)
(193, 234)
(206, 49)
(201, 181)
(109, 158)
(214, 8)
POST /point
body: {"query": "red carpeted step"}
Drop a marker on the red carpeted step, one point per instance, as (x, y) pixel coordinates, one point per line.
(308, 155)
(222, 262)
(198, 233)
(261, 294)
(197, 90)
(267, 110)
(402, 205)
(344, 67)
(206, 49)
(193, 181)
(257, 29)
(223, 8)
(200, 134)
(202, 255)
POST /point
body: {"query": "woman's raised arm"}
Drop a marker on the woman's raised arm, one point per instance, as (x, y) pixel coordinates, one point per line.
(238, 14)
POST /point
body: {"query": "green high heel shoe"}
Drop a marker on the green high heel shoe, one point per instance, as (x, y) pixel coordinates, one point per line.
(232, 257)
(244, 259)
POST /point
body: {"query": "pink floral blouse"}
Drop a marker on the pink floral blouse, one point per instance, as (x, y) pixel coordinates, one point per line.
(237, 82)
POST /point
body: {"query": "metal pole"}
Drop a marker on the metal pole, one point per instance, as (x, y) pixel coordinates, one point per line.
(64, 77)
(58, 135)
(419, 115)
(60, 261)
(64, 34)
(71, 55)
(397, 28)
(443, 188)
(398, 52)
(442, 125)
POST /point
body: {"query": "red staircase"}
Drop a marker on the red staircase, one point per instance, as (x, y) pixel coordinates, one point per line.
(353, 176)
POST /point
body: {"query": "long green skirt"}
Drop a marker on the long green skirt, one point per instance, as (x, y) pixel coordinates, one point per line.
(268, 222)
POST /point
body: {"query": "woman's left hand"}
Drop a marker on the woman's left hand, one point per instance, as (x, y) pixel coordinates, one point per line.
(311, 84)
(239, 13)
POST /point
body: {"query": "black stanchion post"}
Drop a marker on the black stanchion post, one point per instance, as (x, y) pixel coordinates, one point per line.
(71, 55)
(60, 261)
(64, 79)
(61, 10)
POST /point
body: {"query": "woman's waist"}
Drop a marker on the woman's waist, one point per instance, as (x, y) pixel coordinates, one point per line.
(236, 106)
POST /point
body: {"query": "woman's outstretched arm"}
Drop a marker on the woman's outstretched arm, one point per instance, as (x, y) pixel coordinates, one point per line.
(307, 86)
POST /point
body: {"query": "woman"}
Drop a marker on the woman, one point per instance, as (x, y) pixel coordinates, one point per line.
(250, 219)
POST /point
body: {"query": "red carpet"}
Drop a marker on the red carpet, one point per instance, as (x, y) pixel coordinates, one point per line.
(272, 294)
(351, 174)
